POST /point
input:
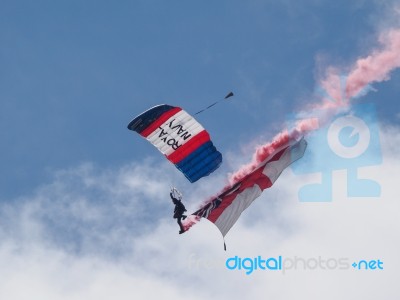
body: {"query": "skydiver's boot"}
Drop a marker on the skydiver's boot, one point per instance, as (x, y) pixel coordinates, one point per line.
(181, 226)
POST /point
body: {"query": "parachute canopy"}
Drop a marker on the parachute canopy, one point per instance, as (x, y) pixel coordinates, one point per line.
(180, 138)
(225, 209)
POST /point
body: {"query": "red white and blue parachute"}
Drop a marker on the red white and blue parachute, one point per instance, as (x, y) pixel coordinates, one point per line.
(180, 138)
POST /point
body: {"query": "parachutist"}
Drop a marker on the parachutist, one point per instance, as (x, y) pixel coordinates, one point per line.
(178, 212)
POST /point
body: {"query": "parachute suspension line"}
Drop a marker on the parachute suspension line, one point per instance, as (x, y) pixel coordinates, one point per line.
(226, 97)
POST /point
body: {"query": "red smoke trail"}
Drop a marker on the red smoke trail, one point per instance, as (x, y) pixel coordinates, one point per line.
(377, 66)
(373, 68)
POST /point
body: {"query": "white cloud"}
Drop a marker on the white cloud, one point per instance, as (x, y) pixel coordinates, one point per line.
(101, 234)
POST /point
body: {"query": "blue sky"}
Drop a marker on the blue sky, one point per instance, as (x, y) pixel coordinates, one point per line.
(73, 178)
(74, 73)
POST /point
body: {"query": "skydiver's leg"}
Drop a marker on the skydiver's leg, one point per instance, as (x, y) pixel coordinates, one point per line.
(180, 225)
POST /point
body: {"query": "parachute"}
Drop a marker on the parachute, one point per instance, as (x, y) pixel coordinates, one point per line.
(180, 138)
(225, 209)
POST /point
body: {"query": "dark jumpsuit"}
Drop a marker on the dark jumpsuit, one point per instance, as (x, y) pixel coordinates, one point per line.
(178, 212)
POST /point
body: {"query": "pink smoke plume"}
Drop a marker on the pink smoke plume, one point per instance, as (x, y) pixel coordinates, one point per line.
(373, 68)
(376, 67)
